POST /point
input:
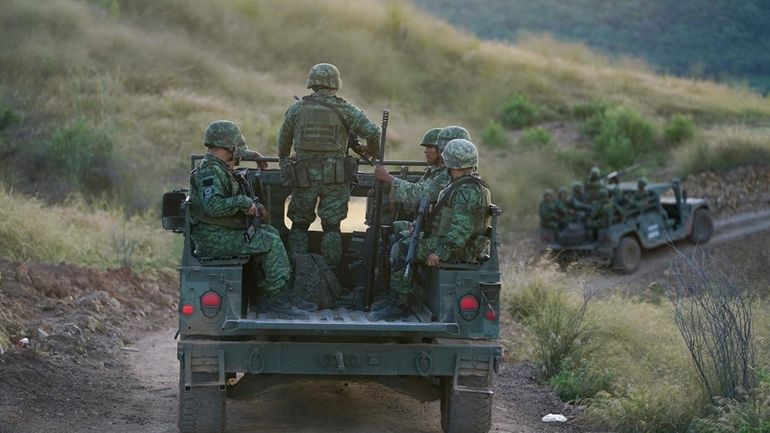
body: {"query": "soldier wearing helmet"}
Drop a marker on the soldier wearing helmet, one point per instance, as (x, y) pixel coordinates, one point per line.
(642, 199)
(317, 127)
(549, 215)
(594, 186)
(457, 224)
(219, 209)
(565, 213)
(436, 176)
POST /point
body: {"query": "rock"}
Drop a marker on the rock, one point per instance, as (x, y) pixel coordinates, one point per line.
(554, 418)
(41, 334)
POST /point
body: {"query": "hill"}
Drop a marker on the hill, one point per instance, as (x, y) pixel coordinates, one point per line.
(107, 98)
(720, 39)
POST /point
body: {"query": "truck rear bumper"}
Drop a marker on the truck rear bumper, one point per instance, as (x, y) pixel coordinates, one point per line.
(342, 359)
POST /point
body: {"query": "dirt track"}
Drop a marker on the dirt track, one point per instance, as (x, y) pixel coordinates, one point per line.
(132, 386)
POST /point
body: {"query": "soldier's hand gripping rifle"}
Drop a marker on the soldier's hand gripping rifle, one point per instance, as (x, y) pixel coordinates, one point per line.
(414, 239)
(372, 259)
(246, 179)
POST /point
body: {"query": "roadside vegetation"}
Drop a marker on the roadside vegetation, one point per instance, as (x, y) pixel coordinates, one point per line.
(629, 359)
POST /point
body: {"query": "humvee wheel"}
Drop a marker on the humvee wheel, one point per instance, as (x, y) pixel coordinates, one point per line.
(627, 255)
(201, 408)
(465, 411)
(702, 227)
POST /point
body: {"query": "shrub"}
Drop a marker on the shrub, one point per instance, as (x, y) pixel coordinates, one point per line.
(494, 135)
(577, 382)
(679, 129)
(623, 136)
(518, 112)
(535, 138)
(7, 118)
(82, 154)
(594, 107)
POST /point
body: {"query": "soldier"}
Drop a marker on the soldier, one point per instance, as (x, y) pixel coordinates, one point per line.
(458, 222)
(318, 127)
(577, 202)
(640, 201)
(218, 217)
(605, 212)
(594, 186)
(565, 213)
(436, 176)
(549, 218)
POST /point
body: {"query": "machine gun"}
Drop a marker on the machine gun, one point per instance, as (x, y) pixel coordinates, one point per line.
(372, 259)
(415, 236)
(614, 177)
(246, 180)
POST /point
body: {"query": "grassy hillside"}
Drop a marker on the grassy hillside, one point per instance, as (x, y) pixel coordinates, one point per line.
(720, 39)
(109, 97)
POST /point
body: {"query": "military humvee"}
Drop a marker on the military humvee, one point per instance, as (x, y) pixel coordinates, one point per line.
(446, 351)
(669, 216)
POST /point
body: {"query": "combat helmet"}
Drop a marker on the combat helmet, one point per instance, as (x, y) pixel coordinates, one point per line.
(562, 190)
(430, 137)
(225, 134)
(460, 153)
(450, 133)
(547, 193)
(642, 183)
(595, 173)
(324, 75)
(577, 186)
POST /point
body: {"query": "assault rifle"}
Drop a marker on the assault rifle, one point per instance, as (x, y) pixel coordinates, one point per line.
(246, 178)
(614, 177)
(415, 236)
(376, 227)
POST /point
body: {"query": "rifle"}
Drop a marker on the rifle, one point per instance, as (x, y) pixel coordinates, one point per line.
(353, 142)
(246, 179)
(371, 262)
(415, 237)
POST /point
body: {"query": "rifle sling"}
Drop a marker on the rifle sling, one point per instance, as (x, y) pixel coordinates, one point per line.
(450, 190)
(312, 100)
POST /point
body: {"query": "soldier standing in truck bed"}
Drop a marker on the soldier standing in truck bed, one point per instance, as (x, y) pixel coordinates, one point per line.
(318, 127)
(458, 221)
(436, 176)
(218, 210)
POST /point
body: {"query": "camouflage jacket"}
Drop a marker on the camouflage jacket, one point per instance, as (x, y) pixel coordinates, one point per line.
(215, 198)
(430, 184)
(325, 126)
(548, 212)
(458, 219)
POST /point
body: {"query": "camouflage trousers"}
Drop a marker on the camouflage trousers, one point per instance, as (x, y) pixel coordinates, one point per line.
(398, 253)
(332, 201)
(215, 241)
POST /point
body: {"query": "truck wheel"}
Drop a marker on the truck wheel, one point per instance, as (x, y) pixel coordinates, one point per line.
(463, 411)
(627, 255)
(702, 227)
(201, 408)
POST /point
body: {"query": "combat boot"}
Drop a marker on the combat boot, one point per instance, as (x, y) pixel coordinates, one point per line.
(304, 304)
(384, 302)
(279, 307)
(394, 309)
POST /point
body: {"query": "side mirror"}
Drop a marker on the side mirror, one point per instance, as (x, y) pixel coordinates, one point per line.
(173, 211)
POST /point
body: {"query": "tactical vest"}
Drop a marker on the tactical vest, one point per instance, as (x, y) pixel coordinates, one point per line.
(319, 130)
(441, 215)
(237, 221)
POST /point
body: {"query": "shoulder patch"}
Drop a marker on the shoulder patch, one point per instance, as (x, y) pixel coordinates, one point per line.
(208, 181)
(208, 192)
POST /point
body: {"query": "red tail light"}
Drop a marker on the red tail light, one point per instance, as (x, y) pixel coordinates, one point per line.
(211, 302)
(469, 307)
(187, 309)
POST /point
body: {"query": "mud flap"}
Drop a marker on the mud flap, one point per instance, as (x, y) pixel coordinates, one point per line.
(474, 367)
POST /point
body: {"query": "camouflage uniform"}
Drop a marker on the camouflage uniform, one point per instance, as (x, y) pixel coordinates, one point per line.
(320, 141)
(565, 213)
(577, 202)
(605, 212)
(218, 217)
(457, 223)
(435, 177)
(594, 186)
(549, 215)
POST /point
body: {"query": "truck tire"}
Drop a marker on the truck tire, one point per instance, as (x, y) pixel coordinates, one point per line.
(702, 227)
(201, 408)
(627, 255)
(466, 412)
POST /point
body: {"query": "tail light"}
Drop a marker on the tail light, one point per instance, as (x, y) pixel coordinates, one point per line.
(187, 309)
(211, 302)
(469, 307)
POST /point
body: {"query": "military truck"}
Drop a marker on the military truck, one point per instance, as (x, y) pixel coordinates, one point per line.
(446, 350)
(669, 216)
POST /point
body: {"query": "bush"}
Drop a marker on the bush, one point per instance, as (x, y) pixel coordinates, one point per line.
(7, 118)
(592, 108)
(623, 136)
(494, 135)
(535, 138)
(518, 112)
(577, 382)
(556, 319)
(83, 154)
(678, 130)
